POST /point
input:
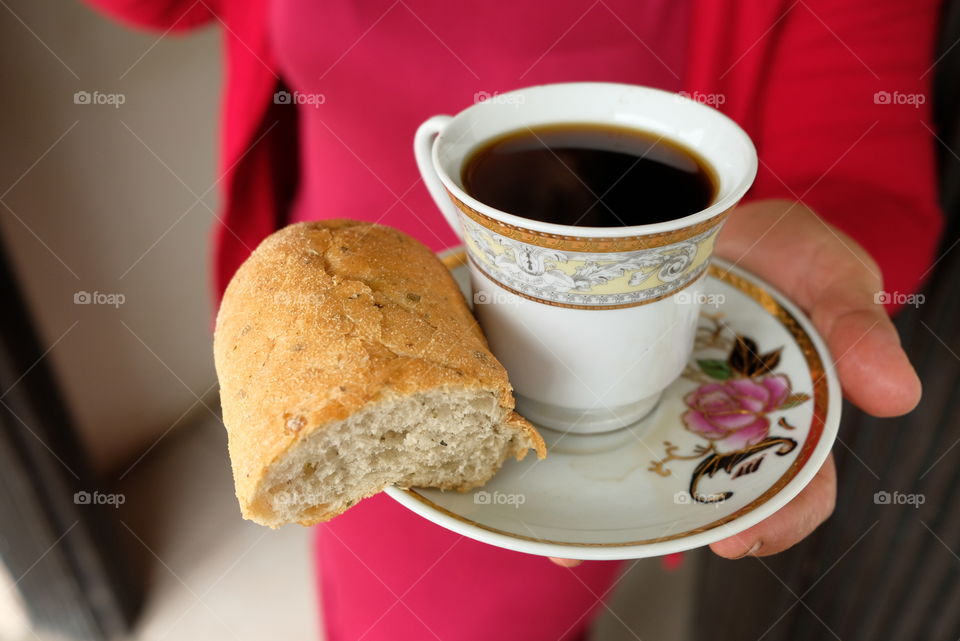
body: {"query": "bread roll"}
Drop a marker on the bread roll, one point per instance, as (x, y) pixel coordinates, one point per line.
(348, 361)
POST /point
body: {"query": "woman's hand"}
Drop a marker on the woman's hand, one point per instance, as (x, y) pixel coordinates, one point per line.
(834, 280)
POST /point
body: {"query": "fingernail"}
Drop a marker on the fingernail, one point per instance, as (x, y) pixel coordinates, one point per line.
(752, 551)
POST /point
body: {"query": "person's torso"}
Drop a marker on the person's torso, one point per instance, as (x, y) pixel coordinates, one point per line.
(368, 73)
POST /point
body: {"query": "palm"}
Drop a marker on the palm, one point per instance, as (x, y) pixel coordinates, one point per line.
(834, 281)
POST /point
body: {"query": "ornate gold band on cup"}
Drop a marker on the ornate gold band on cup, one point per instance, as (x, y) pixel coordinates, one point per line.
(587, 280)
(687, 282)
(583, 243)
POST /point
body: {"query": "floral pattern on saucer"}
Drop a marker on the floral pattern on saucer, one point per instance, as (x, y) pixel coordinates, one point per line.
(732, 409)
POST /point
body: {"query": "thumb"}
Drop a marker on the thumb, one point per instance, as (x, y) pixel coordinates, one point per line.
(874, 370)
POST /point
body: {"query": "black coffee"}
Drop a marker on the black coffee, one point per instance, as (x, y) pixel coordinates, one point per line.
(589, 176)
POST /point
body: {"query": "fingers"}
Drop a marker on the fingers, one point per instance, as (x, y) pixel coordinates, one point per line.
(875, 372)
(790, 524)
(834, 280)
(566, 563)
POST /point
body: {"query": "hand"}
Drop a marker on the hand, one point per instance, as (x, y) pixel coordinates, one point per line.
(834, 280)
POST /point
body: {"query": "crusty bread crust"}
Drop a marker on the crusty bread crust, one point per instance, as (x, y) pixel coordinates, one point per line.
(327, 317)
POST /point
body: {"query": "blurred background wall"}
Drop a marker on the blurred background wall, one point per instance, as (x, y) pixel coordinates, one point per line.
(107, 182)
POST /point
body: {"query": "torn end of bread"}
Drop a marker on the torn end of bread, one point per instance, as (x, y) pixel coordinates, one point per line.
(447, 438)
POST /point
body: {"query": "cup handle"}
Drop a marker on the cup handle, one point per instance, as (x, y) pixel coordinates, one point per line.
(423, 142)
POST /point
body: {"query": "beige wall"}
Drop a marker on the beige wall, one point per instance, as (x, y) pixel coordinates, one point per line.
(89, 207)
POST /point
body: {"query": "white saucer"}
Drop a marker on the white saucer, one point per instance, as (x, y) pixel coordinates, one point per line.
(676, 480)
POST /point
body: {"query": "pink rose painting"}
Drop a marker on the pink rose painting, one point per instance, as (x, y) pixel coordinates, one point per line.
(732, 409)
(733, 414)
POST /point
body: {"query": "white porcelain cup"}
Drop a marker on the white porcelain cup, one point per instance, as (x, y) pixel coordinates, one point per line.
(591, 323)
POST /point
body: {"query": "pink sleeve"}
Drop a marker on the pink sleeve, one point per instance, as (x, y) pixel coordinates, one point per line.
(845, 126)
(161, 15)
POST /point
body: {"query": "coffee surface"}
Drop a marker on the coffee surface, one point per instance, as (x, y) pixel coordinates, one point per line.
(589, 176)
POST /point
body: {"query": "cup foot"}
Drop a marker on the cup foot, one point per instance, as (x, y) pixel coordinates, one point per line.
(586, 422)
(590, 444)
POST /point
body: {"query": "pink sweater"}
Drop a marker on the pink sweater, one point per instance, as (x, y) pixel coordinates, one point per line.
(358, 116)
(806, 80)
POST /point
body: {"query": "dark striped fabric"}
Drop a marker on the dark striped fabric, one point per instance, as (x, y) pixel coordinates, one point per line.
(874, 570)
